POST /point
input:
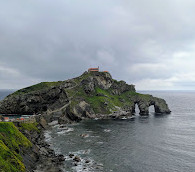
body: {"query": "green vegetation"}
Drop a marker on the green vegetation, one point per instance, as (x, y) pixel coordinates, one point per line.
(113, 101)
(143, 97)
(102, 101)
(29, 126)
(12, 142)
(9, 162)
(83, 76)
(40, 86)
(45, 85)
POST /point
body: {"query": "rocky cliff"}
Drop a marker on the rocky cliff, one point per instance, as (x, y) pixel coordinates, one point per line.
(91, 95)
(22, 148)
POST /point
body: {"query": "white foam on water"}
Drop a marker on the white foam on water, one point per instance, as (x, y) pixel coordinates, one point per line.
(65, 130)
(53, 123)
(62, 126)
(57, 150)
(89, 131)
(61, 132)
(47, 135)
(82, 166)
(95, 136)
(107, 130)
(81, 152)
(56, 126)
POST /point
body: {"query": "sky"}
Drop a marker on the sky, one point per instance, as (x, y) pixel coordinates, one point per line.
(148, 43)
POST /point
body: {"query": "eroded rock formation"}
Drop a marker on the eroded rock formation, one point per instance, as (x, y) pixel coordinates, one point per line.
(144, 102)
(90, 95)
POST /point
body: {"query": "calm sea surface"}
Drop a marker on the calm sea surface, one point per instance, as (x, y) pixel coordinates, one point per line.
(157, 143)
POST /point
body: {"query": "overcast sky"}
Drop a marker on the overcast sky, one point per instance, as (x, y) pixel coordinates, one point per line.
(149, 43)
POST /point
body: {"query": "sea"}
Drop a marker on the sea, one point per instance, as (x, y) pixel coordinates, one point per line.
(154, 143)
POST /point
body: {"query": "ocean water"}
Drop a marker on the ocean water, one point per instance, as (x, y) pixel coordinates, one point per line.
(157, 143)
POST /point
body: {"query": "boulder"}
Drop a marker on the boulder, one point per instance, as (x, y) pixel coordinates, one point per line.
(83, 110)
(77, 159)
(71, 155)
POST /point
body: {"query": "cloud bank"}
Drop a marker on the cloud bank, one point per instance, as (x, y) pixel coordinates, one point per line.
(147, 43)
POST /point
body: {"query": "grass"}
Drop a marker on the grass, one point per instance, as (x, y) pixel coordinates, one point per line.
(98, 102)
(12, 142)
(40, 86)
(9, 162)
(45, 85)
(114, 101)
(29, 126)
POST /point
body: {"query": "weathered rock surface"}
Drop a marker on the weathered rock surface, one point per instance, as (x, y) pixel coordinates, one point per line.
(143, 102)
(91, 95)
(121, 87)
(34, 102)
(40, 158)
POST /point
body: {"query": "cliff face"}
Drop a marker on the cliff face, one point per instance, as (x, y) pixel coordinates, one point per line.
(12, 145)
(93, 94)
(22, 148)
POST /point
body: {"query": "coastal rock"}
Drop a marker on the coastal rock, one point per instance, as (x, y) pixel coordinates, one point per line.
(91, 95)
(120, 87)
(71, 155)
(77, 159)
(83, 110)
(84, 135)
(34, 102)
(102, 80)
(145, 101)
(68, 116)
(88, 85)
(87, 161)
(40, 157)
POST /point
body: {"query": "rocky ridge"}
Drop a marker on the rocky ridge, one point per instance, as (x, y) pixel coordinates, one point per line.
(91, 95)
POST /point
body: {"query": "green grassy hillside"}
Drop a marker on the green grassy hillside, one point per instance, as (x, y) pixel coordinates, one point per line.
(12, 142)
(39, 86)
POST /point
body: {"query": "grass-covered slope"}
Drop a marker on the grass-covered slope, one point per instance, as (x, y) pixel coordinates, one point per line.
(12, 142)
(103, 101)
(37, 87)
(29, 127)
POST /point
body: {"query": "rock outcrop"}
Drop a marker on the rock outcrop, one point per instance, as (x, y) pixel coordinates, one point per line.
(34, 102)
(23, 148)
(90, 95)
(145, 101)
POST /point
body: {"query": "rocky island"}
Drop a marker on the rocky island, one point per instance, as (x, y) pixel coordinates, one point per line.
(91, 95)
(87, 96)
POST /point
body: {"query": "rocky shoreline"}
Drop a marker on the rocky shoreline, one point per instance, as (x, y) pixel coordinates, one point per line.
(89, 96)
(40, 158)
(74, 160)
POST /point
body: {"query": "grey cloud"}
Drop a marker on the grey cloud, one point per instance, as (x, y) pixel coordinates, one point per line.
(56, 40)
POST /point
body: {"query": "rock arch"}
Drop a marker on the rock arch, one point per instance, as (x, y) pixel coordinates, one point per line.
(160, 105)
